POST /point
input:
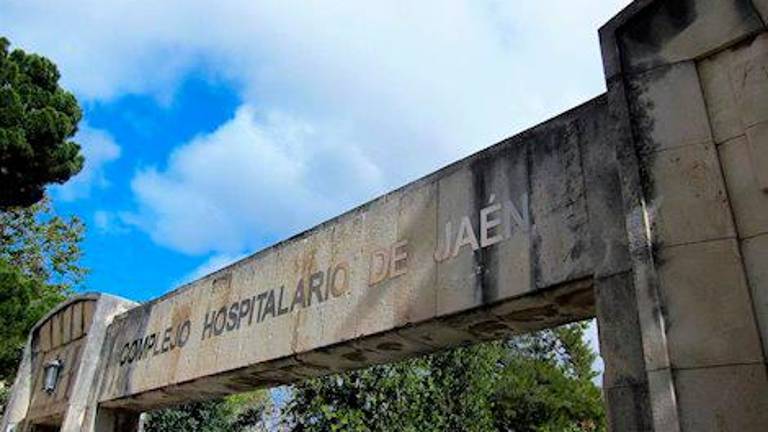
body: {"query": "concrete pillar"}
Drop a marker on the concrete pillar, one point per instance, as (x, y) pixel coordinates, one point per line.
(18, 403)
(735, 86)
(625, 384)
(74, 331)
(691, 218)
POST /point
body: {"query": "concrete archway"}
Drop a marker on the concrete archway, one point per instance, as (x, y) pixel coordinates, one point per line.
(645, 207)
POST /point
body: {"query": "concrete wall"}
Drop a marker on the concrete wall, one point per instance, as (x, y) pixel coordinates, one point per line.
(688, 78)
(74, 333)
(62, 336)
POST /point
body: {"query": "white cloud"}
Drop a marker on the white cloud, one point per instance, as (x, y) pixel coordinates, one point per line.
(109, 222)
(99, 149)
(342, 100)
(102, 220)
(243, 183)
(210, 265)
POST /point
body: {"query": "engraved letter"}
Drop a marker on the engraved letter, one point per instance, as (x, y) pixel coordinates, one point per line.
(298, 296)
(340, 279)
(446, 250)
(315, 283)
(234, 316)
(269, 308)
(520, 217)
(399, 263)
(488, 223)
(182, 334)
(465, 236)
(280, 309)
(379, 266)
(208, 324)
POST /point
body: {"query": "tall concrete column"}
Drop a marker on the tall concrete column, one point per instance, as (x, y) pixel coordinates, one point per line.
(673, 73)
(625, 384)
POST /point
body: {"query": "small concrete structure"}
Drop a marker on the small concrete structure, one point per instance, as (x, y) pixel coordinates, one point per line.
(646, 207)
(74, 334)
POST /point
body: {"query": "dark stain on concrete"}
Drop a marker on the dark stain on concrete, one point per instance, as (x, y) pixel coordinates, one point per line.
(356, 356)
(484, 275)
(643, 38)
(580, 299)
(532, 314)
(390, 346)
(488, 327)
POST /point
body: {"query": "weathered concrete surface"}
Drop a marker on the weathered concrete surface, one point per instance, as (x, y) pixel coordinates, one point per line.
(651, 33)
(625, 384)
(735, 84)
(762, 8)
(73, 333)
(500, 242)
(691, 78)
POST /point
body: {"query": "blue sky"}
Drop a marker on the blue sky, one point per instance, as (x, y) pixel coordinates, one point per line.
(214, 129)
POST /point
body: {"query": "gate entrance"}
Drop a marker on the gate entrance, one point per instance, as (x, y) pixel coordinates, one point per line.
(644, 207)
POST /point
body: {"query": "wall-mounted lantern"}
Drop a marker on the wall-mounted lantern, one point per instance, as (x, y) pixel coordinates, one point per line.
(52, 371)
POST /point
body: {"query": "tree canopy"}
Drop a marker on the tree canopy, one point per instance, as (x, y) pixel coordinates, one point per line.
(534, 383)
(541, 382)
(38, 118)
(39, 266)
(238, 413)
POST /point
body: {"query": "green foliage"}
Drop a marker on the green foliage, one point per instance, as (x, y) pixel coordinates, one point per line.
(249, 411)
(39, 266)
(244, 412)
(547, 384)
(446, 391)
(540, 382)
(209, 416)
(5, 396)
(37, 121)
